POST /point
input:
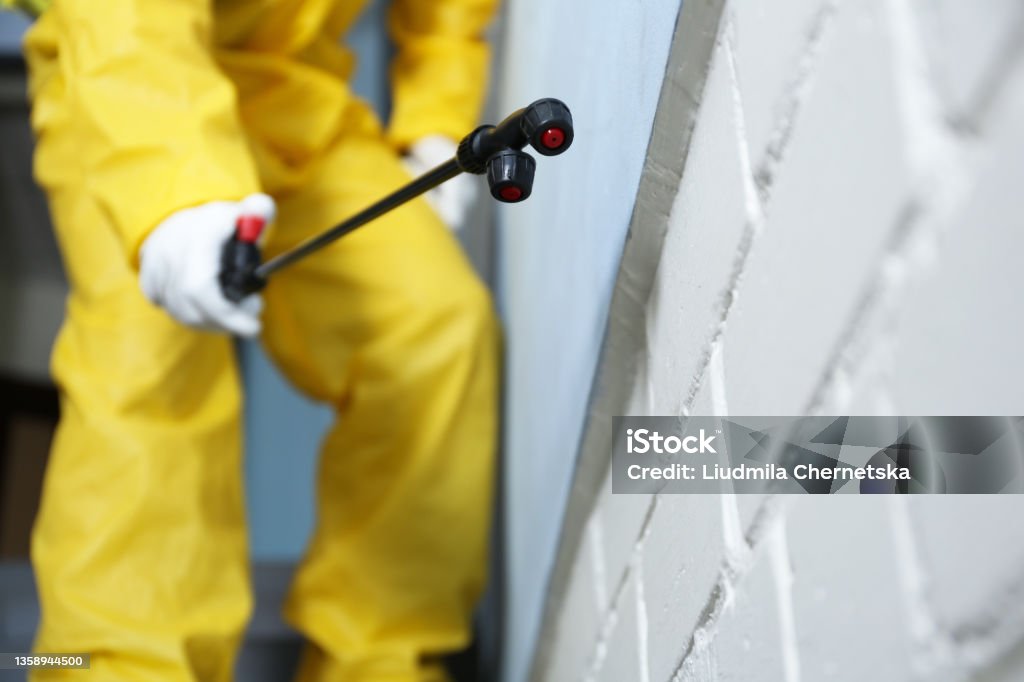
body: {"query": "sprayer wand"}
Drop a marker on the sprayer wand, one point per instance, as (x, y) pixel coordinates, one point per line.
(497, 151)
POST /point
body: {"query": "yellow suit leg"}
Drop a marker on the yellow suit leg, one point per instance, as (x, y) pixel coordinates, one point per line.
(139, 549)
(391, 326)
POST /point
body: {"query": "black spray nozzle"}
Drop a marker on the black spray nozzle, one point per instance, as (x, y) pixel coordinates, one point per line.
(510, 175)
(546, 125)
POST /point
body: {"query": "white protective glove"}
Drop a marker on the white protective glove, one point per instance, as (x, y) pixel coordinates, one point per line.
(179, 264)
(453, 199)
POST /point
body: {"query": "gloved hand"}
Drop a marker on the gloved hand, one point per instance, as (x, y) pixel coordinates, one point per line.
(180, 262)
(453, 199)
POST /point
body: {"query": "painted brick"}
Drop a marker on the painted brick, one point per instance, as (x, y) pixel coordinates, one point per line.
(700, 666)
(700, 247)
(1009, 669)
(972, 552)
(870, 391)
(622, 658)
(748, 505)
(770, 40)
(962, 322)
(681, 560)
(749, 643)
(966, 42)
(621, 517)
(848, 601)
(945, 344)
(834, 204)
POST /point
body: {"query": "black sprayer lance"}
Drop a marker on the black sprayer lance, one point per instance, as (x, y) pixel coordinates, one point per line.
(497, 151)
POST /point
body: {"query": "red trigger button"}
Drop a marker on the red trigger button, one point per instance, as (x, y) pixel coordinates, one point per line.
(249, 228)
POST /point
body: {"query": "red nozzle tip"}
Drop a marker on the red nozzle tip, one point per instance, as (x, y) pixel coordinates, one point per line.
(249, 228)
(511, 193)
(553, 138)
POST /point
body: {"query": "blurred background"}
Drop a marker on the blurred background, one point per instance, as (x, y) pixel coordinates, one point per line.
(809, 206)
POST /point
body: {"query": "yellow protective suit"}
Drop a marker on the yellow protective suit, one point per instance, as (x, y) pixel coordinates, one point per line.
(144, 107)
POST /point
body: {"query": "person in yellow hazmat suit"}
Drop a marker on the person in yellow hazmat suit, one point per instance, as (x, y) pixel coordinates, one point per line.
(158, 123)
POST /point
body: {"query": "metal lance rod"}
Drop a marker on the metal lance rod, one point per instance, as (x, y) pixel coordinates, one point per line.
(426, 182)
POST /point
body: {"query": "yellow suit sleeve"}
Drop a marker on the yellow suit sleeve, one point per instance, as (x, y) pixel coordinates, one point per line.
(31, 7)
(150, 118)
(439, 76)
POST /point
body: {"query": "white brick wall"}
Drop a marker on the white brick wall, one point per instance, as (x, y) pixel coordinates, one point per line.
(847, 238)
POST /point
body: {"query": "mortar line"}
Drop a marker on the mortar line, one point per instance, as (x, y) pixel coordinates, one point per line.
(992, 83)
(716, 377)
(782, 572)
(611, 615)
(641, 622)
(932, 647)
(595, 535)
(795, 94)
(752, 203)
(767, 515)
(736, 548)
